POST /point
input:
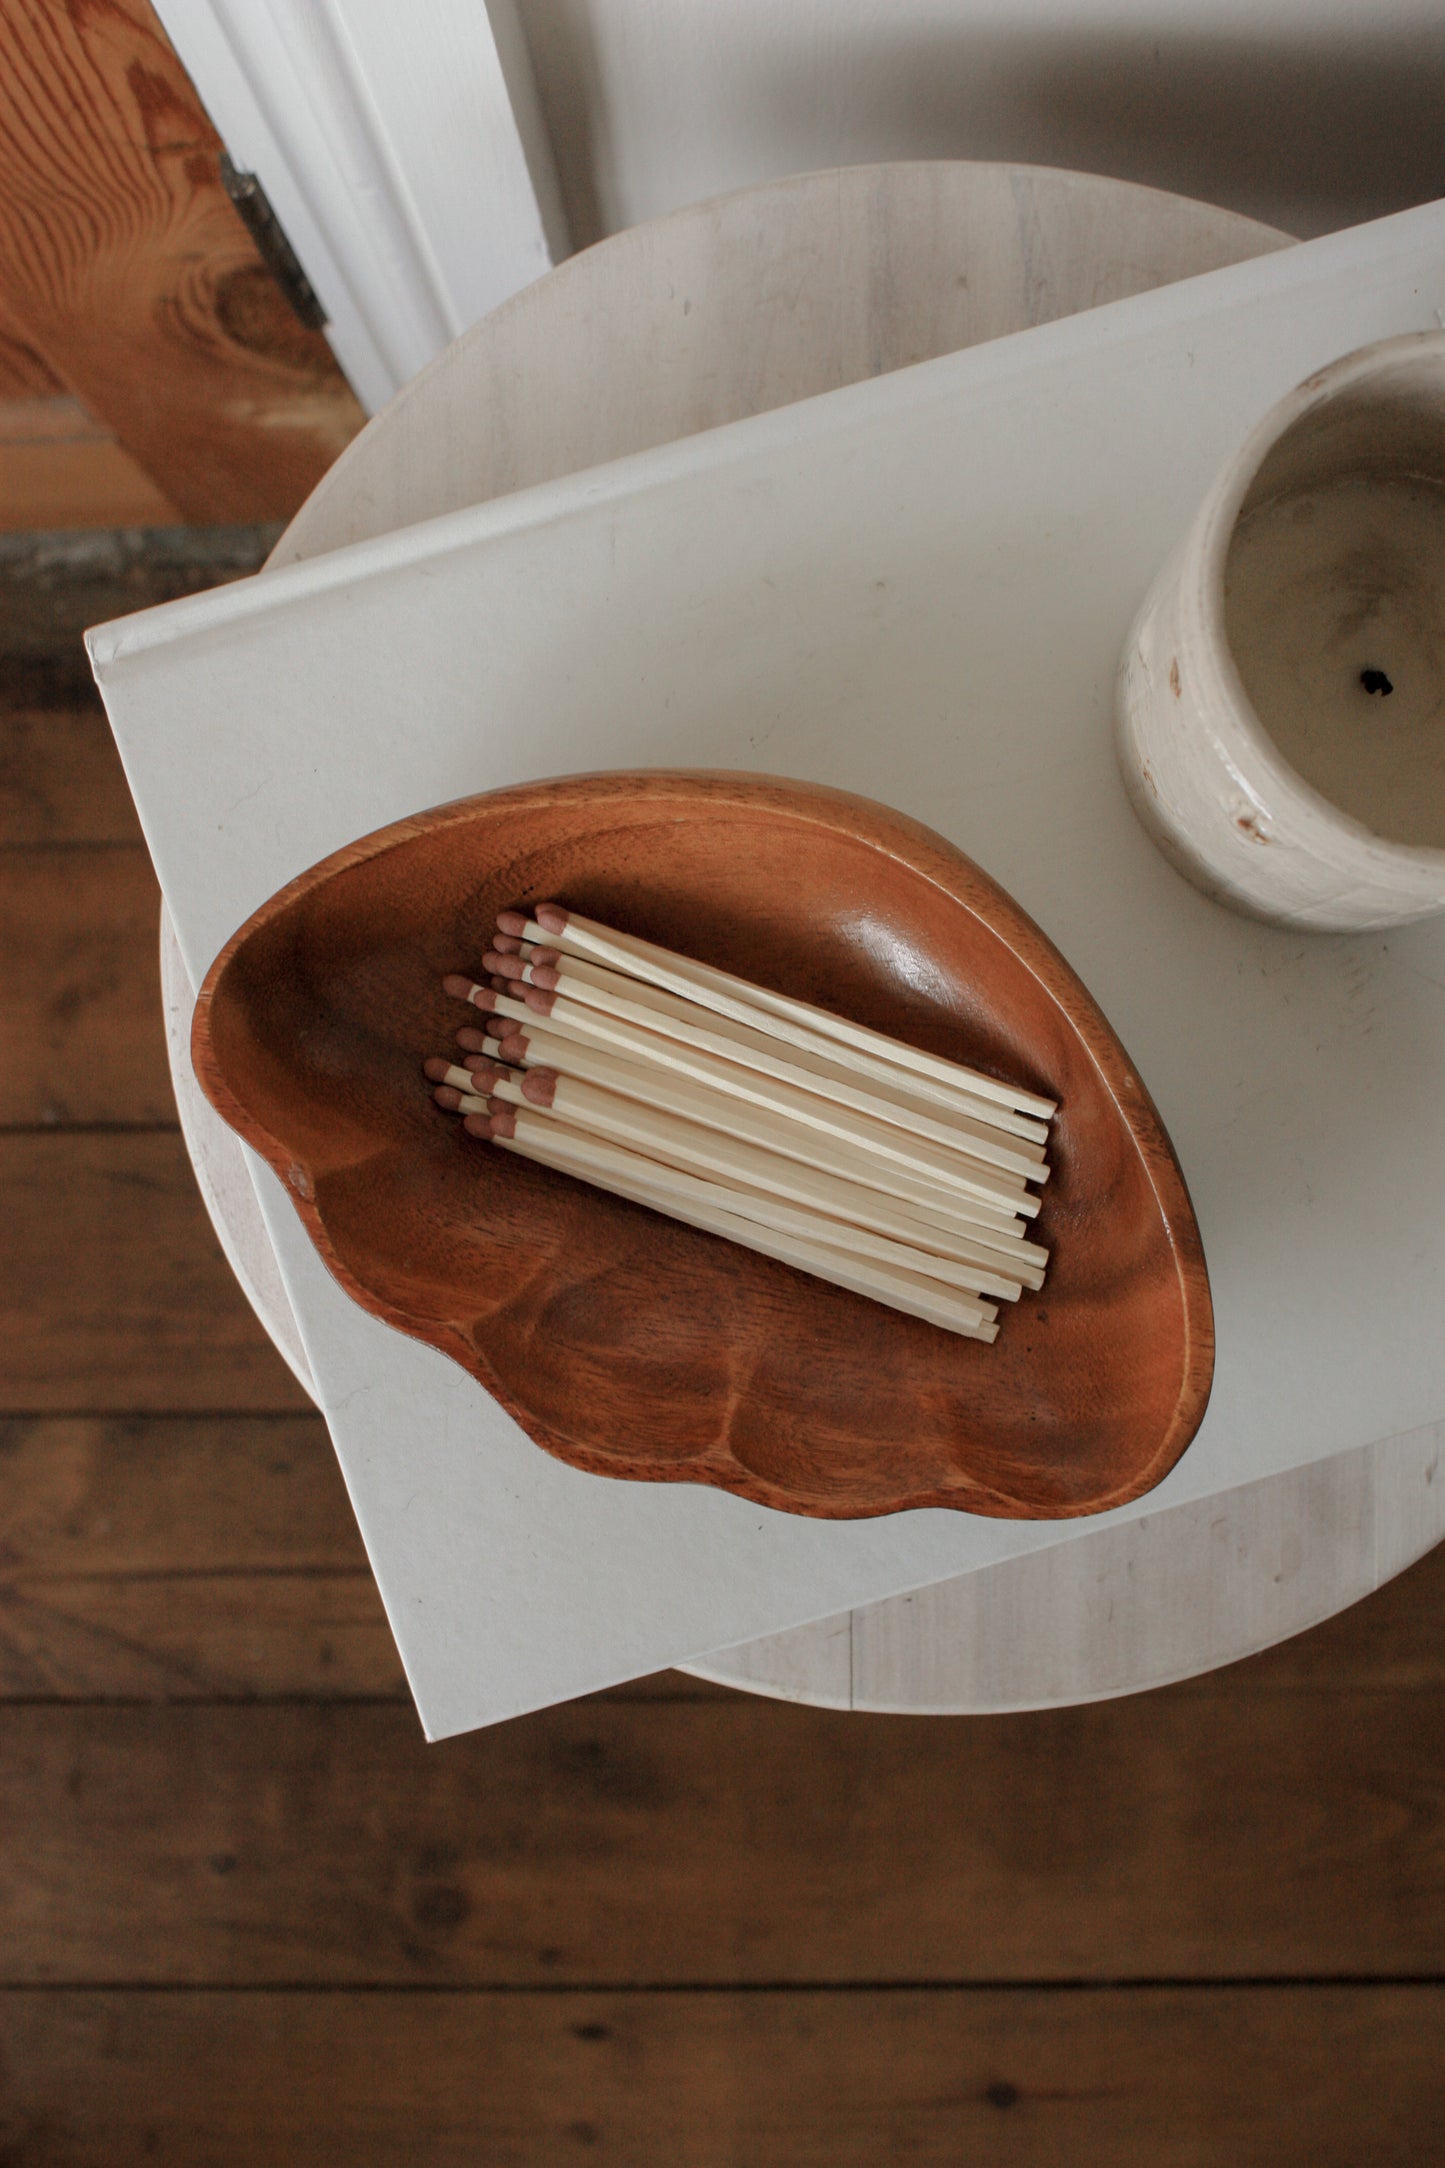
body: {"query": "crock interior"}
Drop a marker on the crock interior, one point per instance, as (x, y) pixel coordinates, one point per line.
(1334, 597)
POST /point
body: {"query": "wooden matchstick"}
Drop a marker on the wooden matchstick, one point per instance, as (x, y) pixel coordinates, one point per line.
(758, 1117)
(989, 1227)
(848, 1079)
(447, 1073)
(549, 968)
(974, 1140)
(547, 1143)
(767, 1129)
(757, 1206)
(740, 999)
(683, 1145)
(571, 1020)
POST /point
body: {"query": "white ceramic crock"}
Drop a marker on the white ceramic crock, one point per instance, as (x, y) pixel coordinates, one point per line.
(1204, 775)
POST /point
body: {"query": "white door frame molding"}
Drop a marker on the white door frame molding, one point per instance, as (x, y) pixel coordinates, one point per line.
(401, 148)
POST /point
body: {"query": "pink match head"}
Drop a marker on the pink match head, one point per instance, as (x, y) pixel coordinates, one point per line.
(435, 1069)
(477, 1125)
(513, 923)
(503, 1120)
(551, 917)
(540, 1086)
(547, 976)
(480, 997)
(503, 966)
(507, 943)
(503, 1042)
(447, 1097)
(537, 997)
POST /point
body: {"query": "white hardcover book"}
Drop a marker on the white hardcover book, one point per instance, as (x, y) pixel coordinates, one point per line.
(916, 588)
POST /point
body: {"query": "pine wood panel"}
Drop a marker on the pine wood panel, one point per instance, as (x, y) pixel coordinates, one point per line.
(56, 417)
(117, 1294)
(1175, 2078)
(58, 468)
(23, 375)
(127, 270)
(81, 1035)
(726, 1842)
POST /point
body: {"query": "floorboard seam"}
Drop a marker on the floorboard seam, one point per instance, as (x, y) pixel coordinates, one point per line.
(1223, 1983)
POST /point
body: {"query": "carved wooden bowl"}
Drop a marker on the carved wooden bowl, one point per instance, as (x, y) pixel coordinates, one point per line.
(633, 1346)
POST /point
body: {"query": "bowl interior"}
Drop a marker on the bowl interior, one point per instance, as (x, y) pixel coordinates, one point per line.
(631, 1345)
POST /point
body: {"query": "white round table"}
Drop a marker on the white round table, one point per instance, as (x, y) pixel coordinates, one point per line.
(729, 308)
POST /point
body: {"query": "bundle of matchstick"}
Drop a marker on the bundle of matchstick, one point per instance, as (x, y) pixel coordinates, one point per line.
(842, 1152)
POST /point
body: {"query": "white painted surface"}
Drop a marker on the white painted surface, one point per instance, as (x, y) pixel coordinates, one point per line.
(1171, 1594)
(1308, 114)
(689, 323)
(750, 302)
(400, 147)
(221, 1174)
(497, 1565)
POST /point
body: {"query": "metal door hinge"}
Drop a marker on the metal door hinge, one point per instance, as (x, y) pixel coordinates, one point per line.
(269, 235)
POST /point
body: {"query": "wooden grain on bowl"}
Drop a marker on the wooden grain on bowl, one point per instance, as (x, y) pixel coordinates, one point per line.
(631, 1345)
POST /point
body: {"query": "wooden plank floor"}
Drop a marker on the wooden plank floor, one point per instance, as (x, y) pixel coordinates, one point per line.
(246, 1915)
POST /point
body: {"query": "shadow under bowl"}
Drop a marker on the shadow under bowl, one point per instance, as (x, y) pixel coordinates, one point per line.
(633, 1346)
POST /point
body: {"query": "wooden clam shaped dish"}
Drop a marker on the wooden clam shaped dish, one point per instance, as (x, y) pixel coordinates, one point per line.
(634, 1346)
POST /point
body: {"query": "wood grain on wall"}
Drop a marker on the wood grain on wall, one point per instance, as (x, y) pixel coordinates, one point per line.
(59, 468)
(23, 375)
(125, 270)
